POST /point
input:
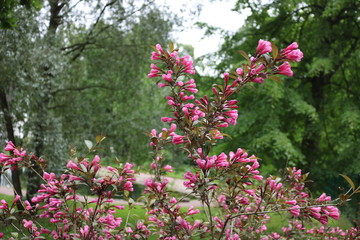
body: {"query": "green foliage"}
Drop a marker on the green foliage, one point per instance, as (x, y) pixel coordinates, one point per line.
(313, 120)
(73, 81)
(8, 18)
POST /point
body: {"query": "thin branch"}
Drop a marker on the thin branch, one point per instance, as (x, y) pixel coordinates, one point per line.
(89, 39)
(72, 7)
(283, 210)
(80, 88)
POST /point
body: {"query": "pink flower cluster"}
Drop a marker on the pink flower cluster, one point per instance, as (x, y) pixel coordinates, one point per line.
(12, 160)
(72, 215)
(296, 230)
(230, 184)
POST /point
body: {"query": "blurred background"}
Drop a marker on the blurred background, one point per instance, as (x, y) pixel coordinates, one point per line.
(72, 70)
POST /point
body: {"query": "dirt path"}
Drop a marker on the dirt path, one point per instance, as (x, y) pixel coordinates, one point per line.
(174, 183)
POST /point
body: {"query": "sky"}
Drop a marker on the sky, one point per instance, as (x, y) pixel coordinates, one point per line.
(216, 13)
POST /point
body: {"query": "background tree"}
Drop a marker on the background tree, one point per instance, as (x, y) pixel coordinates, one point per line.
(63, 73)
(312, 121)
(8, 8)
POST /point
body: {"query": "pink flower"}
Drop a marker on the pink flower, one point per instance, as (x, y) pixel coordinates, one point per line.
(258, 80)
(168, 168)
(292, 53)
(84, 231)
(167, 119)
(4, 204)
(168, 77)
(191, 211)
(285, 69)
(161, 85)
(291, 47)
(226, 77)
(323, 198)
(154, 72)
(128, 186)
(96, 160)
(221, 160)
(295, 55)
(177, 139)
(257, 177)
(19, 153)
(251, 192)
(315, 209)
(27, 224)
(323, 220)
(263, 47)
(72, 165)
(10, 146)
(293, 202)
(223, 125)
(4, 157)
(172, 127)
(74, 178)
(159, 48)
(188, 65)
(239, 71)
(149, 183)
(17, 197)
(333, 212)
(49, 176)
(232, 113)
(111, 169)
(155, 56)
(295, 210)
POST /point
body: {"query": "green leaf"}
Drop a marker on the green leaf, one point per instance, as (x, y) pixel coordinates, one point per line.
(349, 181)
(10, 218)
(244, 54)
(275, 78)
(343, 197)
(275, 51)
(89, 144)
(153, 47)
(100, 138)
(15, 234)
(171, 46)
(260, 60)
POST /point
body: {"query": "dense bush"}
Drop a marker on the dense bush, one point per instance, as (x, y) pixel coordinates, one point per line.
(237, 199)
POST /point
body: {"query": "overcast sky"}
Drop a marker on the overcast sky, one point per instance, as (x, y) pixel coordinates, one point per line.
(216, 13)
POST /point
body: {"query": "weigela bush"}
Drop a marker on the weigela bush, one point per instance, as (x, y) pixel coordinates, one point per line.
(237, 200)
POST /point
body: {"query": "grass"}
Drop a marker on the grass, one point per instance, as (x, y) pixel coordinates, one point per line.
(281, 219)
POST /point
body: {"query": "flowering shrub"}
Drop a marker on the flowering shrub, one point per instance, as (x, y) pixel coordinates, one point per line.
(237, 200)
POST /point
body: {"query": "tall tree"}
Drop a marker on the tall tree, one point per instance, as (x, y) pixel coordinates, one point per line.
(314, 120)
(41, 72)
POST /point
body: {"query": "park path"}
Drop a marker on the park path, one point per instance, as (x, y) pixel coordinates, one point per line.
(174, 184)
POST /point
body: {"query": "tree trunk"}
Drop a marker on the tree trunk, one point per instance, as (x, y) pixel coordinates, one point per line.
(10, 135)
(311, 146)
